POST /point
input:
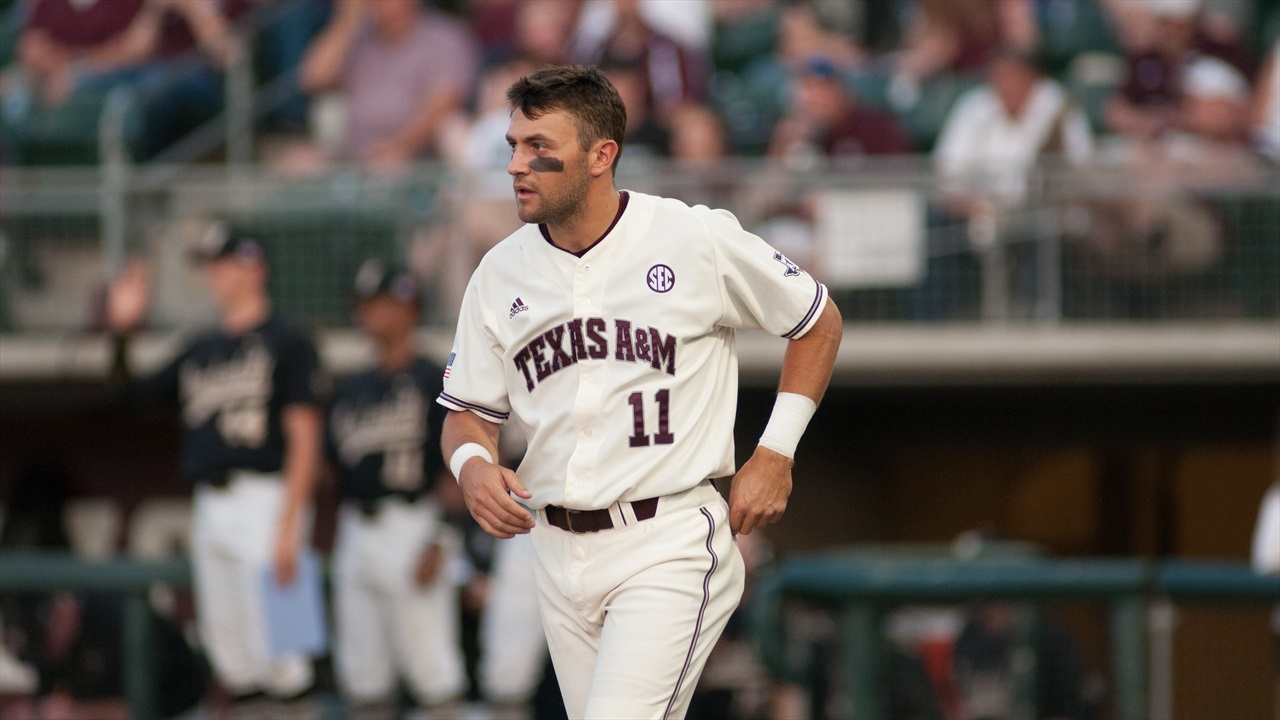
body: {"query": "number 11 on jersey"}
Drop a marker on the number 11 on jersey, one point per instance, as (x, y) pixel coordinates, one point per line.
(663, 436)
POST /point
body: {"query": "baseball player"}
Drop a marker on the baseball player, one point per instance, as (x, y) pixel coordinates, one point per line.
(250, 394)
(604, 330)
(396, 609)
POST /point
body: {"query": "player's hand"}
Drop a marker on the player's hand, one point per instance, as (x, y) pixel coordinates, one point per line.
(286, 560)
(127, 297)
(486, 488)
(758, 495)
(428, 565)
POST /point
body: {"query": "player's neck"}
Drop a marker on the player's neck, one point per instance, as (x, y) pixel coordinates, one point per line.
(247, 313)
(584, 228)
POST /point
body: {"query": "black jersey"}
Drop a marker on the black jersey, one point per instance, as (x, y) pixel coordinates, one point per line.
(383, 433)
(231, 391)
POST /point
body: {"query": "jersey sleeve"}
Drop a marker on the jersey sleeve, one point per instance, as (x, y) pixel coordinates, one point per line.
(760, 288)
(300, 379)
(432, 455)
(474, 378)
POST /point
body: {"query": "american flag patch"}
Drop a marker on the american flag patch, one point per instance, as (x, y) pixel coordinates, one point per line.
(449, 365)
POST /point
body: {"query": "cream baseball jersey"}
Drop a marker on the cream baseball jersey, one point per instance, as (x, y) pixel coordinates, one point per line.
(618, 363)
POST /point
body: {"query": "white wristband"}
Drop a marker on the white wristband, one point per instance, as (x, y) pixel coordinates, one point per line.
(791, 414)
(465, 453)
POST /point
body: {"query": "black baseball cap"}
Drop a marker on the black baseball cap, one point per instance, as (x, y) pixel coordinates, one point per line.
(377, 277)
(226, 241)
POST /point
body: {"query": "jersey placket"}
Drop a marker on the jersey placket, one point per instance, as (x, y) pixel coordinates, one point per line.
(588, 291)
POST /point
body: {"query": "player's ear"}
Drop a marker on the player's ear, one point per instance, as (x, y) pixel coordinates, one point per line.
(602, 156)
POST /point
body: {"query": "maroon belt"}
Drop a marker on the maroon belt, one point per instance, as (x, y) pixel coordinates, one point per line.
(587, 521)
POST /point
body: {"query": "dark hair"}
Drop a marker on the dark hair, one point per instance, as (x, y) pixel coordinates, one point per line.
(581, 92)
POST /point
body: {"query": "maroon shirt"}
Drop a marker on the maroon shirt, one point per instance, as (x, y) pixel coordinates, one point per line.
(866, 132)
(176, 37)
(85, 27)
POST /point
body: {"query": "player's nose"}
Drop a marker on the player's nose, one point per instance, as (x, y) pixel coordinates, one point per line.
(518, 165)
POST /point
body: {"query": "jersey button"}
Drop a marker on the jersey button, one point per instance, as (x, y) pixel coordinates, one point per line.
(586, 433)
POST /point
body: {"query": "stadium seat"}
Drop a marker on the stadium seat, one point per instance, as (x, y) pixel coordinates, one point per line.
(925, 119)
(12, 19)
(93, 526)
(750, 103)
(1069, 28)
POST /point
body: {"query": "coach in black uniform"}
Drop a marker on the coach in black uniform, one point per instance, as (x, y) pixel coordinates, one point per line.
(250, 394)
(395, 606)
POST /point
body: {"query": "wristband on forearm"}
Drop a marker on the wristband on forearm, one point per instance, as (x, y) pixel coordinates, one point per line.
(464, 453)
(791, 414)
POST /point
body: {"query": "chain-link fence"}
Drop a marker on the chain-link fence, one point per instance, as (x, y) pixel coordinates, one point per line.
(894, 241)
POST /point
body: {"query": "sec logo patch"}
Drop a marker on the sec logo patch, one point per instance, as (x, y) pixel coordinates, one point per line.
(661, 278)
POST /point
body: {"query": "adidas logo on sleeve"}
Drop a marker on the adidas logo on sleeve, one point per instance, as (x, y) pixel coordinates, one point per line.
(517, 307)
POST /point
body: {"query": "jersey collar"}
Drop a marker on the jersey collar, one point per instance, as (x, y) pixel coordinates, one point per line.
(623, 197)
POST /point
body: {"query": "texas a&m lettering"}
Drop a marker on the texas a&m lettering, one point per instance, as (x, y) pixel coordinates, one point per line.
(588, 339)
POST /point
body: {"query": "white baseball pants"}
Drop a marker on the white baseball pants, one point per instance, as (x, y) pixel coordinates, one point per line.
(388, 626)
(513, 647)
(632, 613)
(233, 538)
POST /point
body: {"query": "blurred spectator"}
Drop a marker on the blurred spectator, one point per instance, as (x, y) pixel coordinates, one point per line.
(992, 139)
(73, 51)
(645, 136)
(963, 35)
(282, 44)
(493, 25)
(671, 72)
(74, 639)
(985, 657)
(1177, 79)
(66, 44)
(698, 139)
(1265, 115)
(997, 132)
(826, 120)
(543, 29)
(205, 24)
(802, 34)
(687, 22)
(538, 29)
(403, 68)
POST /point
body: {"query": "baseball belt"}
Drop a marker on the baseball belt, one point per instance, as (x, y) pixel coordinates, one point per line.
(371, 508)
(589, 521)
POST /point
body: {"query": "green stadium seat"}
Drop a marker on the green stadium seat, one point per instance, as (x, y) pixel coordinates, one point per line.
(938, 94)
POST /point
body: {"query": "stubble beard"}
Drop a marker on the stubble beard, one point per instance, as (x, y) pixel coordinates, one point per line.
(557, 210)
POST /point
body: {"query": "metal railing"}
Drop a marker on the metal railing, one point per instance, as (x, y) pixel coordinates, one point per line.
(48, 571)
(859, 586)
(862, 586)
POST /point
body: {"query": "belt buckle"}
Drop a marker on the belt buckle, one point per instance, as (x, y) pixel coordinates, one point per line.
(568, 519)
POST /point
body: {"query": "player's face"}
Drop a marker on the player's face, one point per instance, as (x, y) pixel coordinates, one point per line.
(231, 279)
(548, 166)
(384, 318)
